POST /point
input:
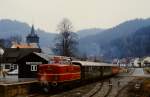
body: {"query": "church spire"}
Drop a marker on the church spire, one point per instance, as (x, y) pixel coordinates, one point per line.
(32, 31)
(32, 37)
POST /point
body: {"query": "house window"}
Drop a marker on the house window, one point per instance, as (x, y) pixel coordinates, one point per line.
(7, 66)
(15, 66)
(12, 67)
(33, 67)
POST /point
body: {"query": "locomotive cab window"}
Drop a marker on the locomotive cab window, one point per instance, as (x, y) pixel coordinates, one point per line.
(33, 67)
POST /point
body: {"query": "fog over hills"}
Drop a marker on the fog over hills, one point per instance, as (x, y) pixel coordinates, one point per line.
(10, 28)
(94, 41)
(99, 43)
(134, 45)
(88, 32)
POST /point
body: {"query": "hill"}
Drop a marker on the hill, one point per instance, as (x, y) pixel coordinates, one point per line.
(88, 32)
(130, 38)
(9, 28)
(134, 45)
(99, 43)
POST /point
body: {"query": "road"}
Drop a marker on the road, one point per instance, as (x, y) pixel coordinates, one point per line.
(135, 72)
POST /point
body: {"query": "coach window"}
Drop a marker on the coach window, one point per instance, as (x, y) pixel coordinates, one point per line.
(33, 67)
(86, 69)
(90, 69)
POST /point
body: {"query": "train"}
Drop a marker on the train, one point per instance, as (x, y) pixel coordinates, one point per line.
(64, 72)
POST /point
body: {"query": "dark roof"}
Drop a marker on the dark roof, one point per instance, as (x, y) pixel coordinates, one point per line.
(44, 56)
(14, 54)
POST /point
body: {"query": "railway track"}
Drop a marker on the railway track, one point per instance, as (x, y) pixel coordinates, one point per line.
(109, 88)
(95, 90)
(126, 85)
(37, 95)
(99, 88)
(102, 89)
(131, 86)
(119, 84)
(105, 88)
(109, 91)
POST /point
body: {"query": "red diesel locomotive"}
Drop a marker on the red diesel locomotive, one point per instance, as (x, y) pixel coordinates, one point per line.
(58, 73)
(63, 72)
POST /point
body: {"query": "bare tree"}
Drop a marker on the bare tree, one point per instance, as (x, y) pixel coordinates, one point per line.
(5, 43)
(2, 42)
(84, 57)
(66, 41)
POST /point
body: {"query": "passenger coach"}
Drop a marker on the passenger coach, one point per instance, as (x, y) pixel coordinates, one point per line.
(96, 70)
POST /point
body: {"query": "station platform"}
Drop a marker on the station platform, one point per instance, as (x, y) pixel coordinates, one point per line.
(12, 86)
(13, 79)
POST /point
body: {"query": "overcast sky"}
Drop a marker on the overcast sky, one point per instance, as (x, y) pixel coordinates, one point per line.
(46, 14)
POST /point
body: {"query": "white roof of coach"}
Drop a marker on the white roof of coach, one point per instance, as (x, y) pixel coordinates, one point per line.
(88, 63)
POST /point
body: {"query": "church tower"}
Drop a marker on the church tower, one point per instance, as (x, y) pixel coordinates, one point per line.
(32, 38)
